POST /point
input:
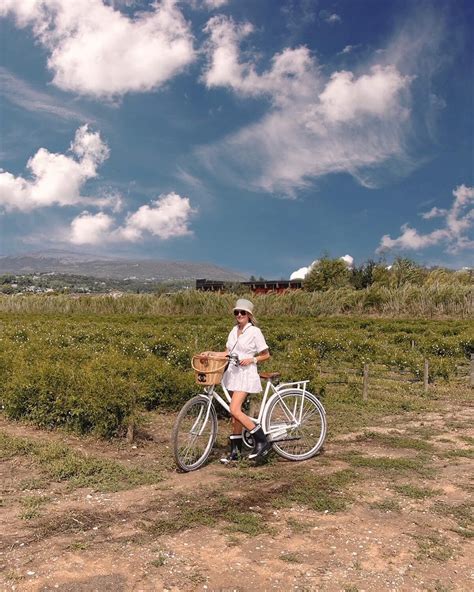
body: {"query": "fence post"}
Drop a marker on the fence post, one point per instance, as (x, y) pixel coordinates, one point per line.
(426, 374)
(412, 344)
(472, 369)
(131, 432)
(365, 384)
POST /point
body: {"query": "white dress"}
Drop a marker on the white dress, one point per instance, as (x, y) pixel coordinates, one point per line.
(247, 345)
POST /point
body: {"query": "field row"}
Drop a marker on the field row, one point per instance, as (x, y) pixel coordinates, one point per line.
(97, 374)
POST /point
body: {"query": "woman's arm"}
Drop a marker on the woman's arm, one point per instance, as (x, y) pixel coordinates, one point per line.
(261, 357)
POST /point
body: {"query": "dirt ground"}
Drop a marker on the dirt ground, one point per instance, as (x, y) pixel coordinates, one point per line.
(386, 508)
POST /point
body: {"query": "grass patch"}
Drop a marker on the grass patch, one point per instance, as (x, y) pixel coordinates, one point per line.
(209, 509)
(414, 492)
(389, 465)
(395, 441)
(32, 483)
(159, 561)
(74, 521)
(433, 547)
(299, 527)
(290, 558)
(61, 463)
(462, 514)
(322, 493)
(78, 546)
(186, 519)
(388, 505)
(459, 453)
(467, 439)
(246, 522)
(31, 506)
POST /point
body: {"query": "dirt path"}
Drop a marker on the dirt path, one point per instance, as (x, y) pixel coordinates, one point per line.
(383, 509)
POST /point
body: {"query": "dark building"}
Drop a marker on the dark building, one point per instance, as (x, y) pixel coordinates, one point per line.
(258, 287)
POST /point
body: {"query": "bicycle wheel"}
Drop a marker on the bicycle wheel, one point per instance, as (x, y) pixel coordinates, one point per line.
(194, 433)
(296, 420)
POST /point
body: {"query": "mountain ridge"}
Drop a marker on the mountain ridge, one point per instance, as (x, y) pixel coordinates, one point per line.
(99, 266)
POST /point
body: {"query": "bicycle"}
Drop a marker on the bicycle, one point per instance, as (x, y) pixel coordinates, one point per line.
(292, 418)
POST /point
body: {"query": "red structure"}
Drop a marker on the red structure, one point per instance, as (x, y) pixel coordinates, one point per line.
(258, 287)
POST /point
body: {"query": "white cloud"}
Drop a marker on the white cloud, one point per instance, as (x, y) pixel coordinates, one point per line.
(90, 229)
(348, 260)
(299, 274)
(57, 179)
(347, 123)
(347, 49)
(292, 74)
(333, 18)
(167, 217)
(97, 50)
(375, 94)
(459, 220)
(213, 4)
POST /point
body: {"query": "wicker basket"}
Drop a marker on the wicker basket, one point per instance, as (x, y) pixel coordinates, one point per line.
(208, 369)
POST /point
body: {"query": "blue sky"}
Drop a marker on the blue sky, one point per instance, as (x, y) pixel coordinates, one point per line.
(255, 134)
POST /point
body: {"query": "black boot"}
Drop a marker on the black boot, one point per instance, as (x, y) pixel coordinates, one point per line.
(262, 444)
(235, 449)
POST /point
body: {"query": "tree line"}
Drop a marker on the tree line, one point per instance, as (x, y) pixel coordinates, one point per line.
(329, 273)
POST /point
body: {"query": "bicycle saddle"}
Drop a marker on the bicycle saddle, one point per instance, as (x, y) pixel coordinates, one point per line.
(269, 375)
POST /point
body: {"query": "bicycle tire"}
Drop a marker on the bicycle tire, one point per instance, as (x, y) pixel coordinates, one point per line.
(190, 449)
(304, 441)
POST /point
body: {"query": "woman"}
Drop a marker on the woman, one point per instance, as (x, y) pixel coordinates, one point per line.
(247, 342)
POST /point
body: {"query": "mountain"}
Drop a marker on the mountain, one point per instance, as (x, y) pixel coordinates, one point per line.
(98, 266)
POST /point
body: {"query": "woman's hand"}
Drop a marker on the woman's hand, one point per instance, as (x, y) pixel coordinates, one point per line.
(247, 362)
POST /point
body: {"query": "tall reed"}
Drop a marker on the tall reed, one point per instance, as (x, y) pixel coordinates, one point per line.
(436, 300)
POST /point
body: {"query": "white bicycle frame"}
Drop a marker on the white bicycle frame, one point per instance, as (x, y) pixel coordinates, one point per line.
(294, 416)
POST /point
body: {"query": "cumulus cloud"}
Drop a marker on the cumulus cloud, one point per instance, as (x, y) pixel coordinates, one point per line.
(167, 217)
(213, 4)
(299, 274)
(292, 72)
(96, 50)
(333, 18)
(348, 260)
(90, 229)
(57, 179)
(316, 125)
(454, 235)
(347, 49)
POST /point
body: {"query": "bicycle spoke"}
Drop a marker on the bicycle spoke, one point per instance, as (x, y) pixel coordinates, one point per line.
(194, 433)
(301, 438)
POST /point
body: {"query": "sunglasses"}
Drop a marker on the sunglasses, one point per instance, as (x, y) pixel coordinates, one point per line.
(242, 313)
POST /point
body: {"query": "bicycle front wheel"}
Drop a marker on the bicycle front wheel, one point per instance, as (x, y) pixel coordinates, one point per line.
(194, 433)
(296, 421)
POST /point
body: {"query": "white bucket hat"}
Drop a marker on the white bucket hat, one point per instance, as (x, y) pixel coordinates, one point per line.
(243, 304)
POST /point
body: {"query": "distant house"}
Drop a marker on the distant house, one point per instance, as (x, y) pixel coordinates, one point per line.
(258, 287)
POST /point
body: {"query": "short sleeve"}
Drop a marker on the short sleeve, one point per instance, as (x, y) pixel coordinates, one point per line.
(259, 340)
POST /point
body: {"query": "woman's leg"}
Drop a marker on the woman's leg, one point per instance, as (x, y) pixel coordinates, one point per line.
(239, 419)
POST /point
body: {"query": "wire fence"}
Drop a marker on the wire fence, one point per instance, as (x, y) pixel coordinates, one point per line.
(369, 374)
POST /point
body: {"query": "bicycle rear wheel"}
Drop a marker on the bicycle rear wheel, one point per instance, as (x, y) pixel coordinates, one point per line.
(194, 433)
(296, 420)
